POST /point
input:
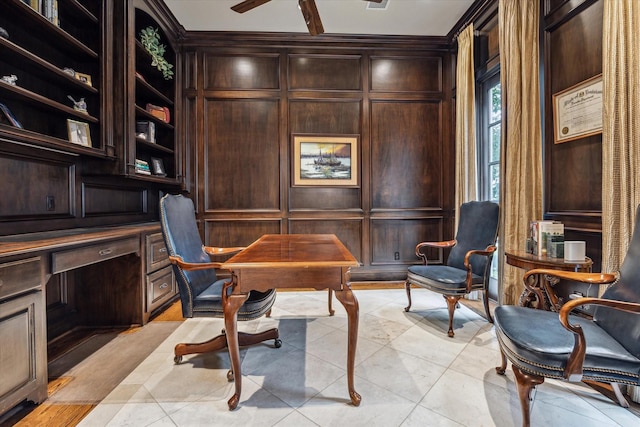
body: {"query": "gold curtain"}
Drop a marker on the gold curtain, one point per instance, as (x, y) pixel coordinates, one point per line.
(521, 154)
(620, 128)
(465, 182)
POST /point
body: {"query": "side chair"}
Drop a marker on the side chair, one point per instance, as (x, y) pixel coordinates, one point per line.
(202, 294)
(602, 352)
(469, 263)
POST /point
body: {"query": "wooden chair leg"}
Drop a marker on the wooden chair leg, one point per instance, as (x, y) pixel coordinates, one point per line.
(220, 342)
(407, 287)
(526, 382)
(452, 302)
(331, 310)
(503, 367)
(485, 300)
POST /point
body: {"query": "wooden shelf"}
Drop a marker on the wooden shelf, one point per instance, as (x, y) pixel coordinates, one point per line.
(152, 91)
(154, 146)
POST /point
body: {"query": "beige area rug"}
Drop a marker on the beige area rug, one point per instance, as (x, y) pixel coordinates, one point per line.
(96, 366)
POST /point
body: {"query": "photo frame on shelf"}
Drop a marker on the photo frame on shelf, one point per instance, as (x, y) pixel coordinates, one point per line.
(325, 160)
(79, 133)
(84, 78)
(157, 167)
(7, 117)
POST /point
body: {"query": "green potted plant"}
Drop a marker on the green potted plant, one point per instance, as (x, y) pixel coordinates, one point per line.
(150, 40)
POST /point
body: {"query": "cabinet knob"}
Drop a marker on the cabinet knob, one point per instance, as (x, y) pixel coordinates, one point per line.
(104, 252)
(162, 250)
(164, 285)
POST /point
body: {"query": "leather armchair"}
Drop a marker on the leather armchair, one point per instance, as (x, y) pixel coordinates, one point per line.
(602, 352)
(469, 262)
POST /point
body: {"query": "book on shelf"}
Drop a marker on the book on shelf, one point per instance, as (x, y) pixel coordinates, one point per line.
(543, 234)
(160, 113)
(35, 5)
(50, 11)
(142, 167)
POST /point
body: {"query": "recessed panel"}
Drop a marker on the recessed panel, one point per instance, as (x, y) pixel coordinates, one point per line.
(393, 241)
(406, 155)
(230, 233)
(39, 188)
(324, 73)
(349, 231)
(406, 74)
(241, 72)
(99, 200)
(242, 155)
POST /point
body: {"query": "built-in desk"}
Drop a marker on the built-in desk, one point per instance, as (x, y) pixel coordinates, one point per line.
(52, 282)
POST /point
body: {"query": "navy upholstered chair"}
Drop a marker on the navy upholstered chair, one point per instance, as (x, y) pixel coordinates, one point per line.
(602, 352)
(469, 262)
(202, 293)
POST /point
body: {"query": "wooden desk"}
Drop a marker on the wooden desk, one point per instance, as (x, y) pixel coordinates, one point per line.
(317, 261)
(539, 288)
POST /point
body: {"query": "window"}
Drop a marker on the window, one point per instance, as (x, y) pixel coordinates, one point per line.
(489, 142)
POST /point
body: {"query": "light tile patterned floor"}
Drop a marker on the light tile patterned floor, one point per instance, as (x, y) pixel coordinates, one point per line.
(408, 372)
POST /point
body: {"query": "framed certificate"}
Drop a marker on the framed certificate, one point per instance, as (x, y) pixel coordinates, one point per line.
(577, 111)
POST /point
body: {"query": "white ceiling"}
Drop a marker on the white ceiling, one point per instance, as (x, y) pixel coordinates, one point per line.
(401, 17)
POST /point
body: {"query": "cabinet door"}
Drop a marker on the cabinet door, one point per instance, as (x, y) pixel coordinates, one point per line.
(23, 362)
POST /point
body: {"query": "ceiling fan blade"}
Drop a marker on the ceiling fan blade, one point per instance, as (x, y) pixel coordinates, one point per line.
(247, 5)
(311, 16)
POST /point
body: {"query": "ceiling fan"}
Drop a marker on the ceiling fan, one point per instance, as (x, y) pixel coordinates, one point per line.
(307, 7)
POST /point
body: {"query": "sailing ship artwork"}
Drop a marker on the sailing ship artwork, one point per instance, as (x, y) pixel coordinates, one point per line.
(325, 161)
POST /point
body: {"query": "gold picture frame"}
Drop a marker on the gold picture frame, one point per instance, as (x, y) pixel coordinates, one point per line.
(578, 110)
(325, 160)
(79, 133)
(84, 78)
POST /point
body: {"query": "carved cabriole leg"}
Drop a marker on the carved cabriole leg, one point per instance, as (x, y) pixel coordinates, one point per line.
(526, 383)
(407, 287)
(214, 344)
(452, 301)
(350, 303)
(331, 310)
(231, 306)
(500, 369)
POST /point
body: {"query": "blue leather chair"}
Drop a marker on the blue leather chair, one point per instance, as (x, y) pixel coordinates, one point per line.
(469, 262)
(202, 293)
(602, 352)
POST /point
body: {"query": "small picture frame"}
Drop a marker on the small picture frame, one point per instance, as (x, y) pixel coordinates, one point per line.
(84, 78)
(79, 132)
(7, 117)
(157, 167)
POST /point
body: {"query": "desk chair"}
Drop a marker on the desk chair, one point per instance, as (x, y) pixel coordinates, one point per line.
(469, 263)
(601, 352)
(202, 294)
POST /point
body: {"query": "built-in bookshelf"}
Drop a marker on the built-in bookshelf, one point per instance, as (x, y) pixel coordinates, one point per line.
(51, 73)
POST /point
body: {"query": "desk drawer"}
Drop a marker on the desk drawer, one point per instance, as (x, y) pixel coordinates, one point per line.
(86, 255)
(20, 276)
(157, 255)
(161, 286)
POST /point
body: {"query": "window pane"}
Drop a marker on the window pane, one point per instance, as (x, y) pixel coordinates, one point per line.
(494, 143)
(495, 96)
(494, 176)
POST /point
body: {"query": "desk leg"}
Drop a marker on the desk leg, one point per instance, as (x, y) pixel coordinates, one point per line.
(234, 302)
(350, 304)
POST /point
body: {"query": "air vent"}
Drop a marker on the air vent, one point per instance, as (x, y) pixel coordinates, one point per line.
(377, 6)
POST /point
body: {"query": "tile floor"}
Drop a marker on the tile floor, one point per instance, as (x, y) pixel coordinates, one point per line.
(408, 372)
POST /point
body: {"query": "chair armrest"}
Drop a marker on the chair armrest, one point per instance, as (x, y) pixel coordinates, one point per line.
(440, 245)
(213, 250)
(573, 369)
(591, 278)
(177, 260)
(467, 263)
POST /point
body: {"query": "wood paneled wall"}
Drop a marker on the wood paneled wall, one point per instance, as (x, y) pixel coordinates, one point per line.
(572, 31)
(244, 104)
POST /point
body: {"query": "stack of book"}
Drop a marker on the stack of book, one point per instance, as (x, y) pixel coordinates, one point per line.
(48, 8)
(547, 238)
(142, 167)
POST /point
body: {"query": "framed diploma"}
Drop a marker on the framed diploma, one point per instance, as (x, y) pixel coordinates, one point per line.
(577, 111)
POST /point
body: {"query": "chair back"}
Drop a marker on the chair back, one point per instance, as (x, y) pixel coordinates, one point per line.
(477, 229)
(623, 326)
(181, 236)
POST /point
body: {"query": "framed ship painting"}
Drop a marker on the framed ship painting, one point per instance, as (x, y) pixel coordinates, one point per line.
(325, 161)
